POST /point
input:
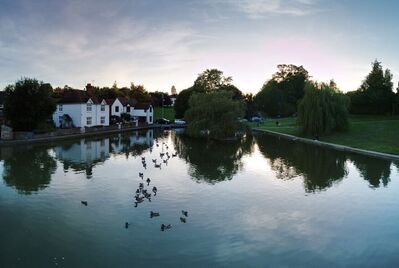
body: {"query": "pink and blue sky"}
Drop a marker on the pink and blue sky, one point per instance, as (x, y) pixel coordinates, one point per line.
(160, 43)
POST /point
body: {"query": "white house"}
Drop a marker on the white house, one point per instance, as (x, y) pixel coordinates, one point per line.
(143, 112)
(77, 108)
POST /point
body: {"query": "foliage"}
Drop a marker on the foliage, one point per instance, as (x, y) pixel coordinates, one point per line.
(181, 103)
(159, 99)
(125, 117)
(208, 81)
(215, 114)
(375, 95)
(323, 109)
(250, 110)
(28, 102)
(280, 95)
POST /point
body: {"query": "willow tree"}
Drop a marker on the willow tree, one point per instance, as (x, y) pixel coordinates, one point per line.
(323, 109)
(215, 114)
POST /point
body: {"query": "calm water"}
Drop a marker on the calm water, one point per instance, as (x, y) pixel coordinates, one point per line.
(256, 203)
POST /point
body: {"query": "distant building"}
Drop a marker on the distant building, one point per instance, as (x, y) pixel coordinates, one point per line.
(143, 112)
(173, 91)
(78, 108)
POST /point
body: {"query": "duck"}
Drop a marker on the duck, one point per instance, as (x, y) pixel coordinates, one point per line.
(148, 181)
(185, 213)
(154, 214)
(142, 158)
(154, 190)
(137, 191)
(154, 161)
(84, 203)
(165, 227)
(183, 220)
(141, 175)
(141, 185)
(139, 199)
(174, 155)
(158, 165)
(127, 225)
(165, 161)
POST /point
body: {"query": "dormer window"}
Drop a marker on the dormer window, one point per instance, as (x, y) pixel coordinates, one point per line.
(102, 107)
(60, 108)
(88, 107)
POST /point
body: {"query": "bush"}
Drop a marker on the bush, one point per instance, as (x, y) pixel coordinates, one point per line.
(323, 109)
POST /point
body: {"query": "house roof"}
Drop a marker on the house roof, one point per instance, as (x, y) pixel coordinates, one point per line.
(142, 106)
(126, 101)
(76, 96)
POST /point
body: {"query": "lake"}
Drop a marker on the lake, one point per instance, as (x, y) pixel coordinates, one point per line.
(257, 202)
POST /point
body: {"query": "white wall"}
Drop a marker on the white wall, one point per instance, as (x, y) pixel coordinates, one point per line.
(79, 114)
(148, 114)
(117, 103)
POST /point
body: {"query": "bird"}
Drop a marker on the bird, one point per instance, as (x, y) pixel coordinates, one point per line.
(84, 203)
(154, 160)
(141, 185)
(137, 191)
(154, 214)
(165, 227)
(139, 199)
(183, 220)
(141, 174)
(143, 158)
(161, 154)
(165, 161)
(127, 225)
(185, 213)
(158, 165)
(148, 181)
(154, 190)
(174, 155)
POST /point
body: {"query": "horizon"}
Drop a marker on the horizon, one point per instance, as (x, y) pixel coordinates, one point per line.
(163, 43)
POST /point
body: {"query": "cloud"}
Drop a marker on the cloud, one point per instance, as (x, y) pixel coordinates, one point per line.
(261, 8)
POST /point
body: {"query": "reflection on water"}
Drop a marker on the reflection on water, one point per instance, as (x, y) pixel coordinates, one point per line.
(213, 161)
(261, 214)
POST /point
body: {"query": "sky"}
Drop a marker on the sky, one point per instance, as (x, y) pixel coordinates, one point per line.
(160, 43)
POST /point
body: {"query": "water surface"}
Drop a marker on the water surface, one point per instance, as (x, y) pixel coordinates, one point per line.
(258, 202)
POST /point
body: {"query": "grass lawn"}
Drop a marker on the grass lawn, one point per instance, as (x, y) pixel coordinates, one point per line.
(168, 113)
(375, 133)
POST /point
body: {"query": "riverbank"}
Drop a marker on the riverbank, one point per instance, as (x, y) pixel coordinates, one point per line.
(377, 134)
(90, 133)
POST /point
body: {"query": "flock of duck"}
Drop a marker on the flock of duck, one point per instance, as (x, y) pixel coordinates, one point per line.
(142, 194)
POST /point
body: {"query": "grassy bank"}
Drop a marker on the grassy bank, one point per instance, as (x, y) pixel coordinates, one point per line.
(168, 113)
(375, 133)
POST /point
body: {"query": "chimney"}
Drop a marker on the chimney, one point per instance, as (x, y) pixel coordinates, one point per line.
(89, 89)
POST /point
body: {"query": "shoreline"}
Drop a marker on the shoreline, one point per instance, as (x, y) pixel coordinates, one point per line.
(335, 146)
(86, 134)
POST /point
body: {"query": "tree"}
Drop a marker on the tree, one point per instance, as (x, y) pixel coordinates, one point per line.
(208, 81)
(280, 95)
(375, 95)
(215, 114)
(28, 102)
(139, 93)
(323, 109)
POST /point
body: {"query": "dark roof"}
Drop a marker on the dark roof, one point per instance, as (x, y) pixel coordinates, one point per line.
(142, 106)
(76, 96)
(110, 101)
(126, 101)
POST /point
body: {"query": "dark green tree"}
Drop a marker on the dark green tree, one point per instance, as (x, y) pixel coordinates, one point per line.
(280, 95)
(27, 103)
(208, 81)
(214, 114)
(323, 109)
(375, 95)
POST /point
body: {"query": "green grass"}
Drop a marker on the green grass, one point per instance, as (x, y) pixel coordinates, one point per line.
(375, 133)
(168, 113)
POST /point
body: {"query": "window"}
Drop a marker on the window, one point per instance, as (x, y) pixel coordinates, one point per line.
(88, 121)
(102, 107)
(150, 119)
(128, 109)
(116, 109)
(102, 119)
(88, 107)
(150, 109)
(60, 108)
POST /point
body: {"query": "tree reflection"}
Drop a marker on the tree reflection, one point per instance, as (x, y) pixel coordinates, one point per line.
(212, 161)
(374, 170)
(28, 169)
(320, 167)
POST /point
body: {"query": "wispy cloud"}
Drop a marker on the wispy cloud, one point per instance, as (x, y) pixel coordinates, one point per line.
(261, 8)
